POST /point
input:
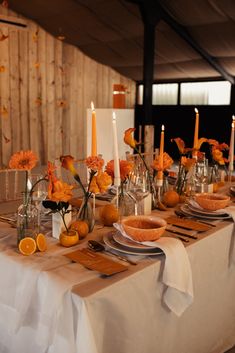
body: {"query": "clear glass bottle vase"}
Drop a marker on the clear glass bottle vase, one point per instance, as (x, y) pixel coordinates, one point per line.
(86, 213)
(27, 219)
(125, 203)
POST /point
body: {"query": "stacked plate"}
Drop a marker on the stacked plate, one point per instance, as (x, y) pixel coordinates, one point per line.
(194, 210)
(116, 241)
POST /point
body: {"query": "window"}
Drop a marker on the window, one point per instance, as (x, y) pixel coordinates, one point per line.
(191, 93)
(205, 93)
(163, 94)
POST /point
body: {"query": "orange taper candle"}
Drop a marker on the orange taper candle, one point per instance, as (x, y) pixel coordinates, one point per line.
(93, 132)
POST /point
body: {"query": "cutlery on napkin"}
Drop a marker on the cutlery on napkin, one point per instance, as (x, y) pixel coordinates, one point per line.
(187, 224)
(181, 231)
(176, 275)
(97, 262)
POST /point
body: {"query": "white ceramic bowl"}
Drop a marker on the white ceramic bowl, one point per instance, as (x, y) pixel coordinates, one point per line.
(212, 202)
(144, 228)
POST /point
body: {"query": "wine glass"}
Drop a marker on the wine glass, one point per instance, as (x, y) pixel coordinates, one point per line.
(201, 174)
(138, 188)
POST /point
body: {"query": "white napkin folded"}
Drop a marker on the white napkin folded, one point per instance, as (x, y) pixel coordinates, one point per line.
(231, 211)
(177, 274)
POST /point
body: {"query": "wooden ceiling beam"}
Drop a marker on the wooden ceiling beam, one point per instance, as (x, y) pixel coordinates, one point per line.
(183, 33)
(155, 10)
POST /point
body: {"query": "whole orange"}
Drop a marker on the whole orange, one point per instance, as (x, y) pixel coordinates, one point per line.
(81, 227)
(69, 238)
(108, 214)
(170, 198)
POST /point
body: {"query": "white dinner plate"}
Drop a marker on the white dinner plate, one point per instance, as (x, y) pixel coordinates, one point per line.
(187, 211)
(194, 206)
(111, 243)
(120, 239)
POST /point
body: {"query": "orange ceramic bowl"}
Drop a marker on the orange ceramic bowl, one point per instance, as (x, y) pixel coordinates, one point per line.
(144, 228)
(212, 202)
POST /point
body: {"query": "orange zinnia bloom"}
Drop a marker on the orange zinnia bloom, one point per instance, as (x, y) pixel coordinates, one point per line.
(94, 163)
(125, 169)
(128, 139)
(23, 160)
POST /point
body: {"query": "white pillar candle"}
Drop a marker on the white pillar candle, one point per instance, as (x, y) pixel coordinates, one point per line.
(117, 178)
(161, 152)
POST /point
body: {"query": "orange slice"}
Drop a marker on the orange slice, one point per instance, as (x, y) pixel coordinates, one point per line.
(41, 242)
(27, 246)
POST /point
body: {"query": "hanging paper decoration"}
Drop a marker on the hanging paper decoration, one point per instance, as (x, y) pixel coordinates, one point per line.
(4, 112)
(6, 139)
(62, 70)
(62, 103)
(35, 36)
(5, 3)
(3, 36)
(61, 37)
(38, 101)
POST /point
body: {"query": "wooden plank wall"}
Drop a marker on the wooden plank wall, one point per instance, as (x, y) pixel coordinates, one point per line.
(46, 86)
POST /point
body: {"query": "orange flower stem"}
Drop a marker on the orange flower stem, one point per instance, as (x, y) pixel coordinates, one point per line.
(77, 178)
(62, 213)
(146, 167)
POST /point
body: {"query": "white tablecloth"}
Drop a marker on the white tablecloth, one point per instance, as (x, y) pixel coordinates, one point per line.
(121, 314)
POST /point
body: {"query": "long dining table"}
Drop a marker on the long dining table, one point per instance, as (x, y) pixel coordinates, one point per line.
(49, 304)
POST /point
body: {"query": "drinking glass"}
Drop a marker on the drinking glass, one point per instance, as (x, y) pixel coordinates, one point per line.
(39, 192)
(138, 188)
(201, 174)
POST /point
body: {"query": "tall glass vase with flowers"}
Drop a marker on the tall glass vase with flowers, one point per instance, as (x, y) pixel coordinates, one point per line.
(130, 141)
(98, 182)
(27, 214)
(124, 201)
(59, 193)
(167, 163)
(218, 161)
(184, 184)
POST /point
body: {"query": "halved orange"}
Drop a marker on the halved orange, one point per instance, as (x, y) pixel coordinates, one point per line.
(27, 246)
(41, 242)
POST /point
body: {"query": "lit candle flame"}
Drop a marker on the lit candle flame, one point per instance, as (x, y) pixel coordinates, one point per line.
(233, 117)
(92, 106)
(196, 111)
(114, 116)
(163, 127)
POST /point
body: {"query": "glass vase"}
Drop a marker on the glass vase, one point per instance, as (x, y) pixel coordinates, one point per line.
(27, 219)
(125, 203)
(86, 213)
